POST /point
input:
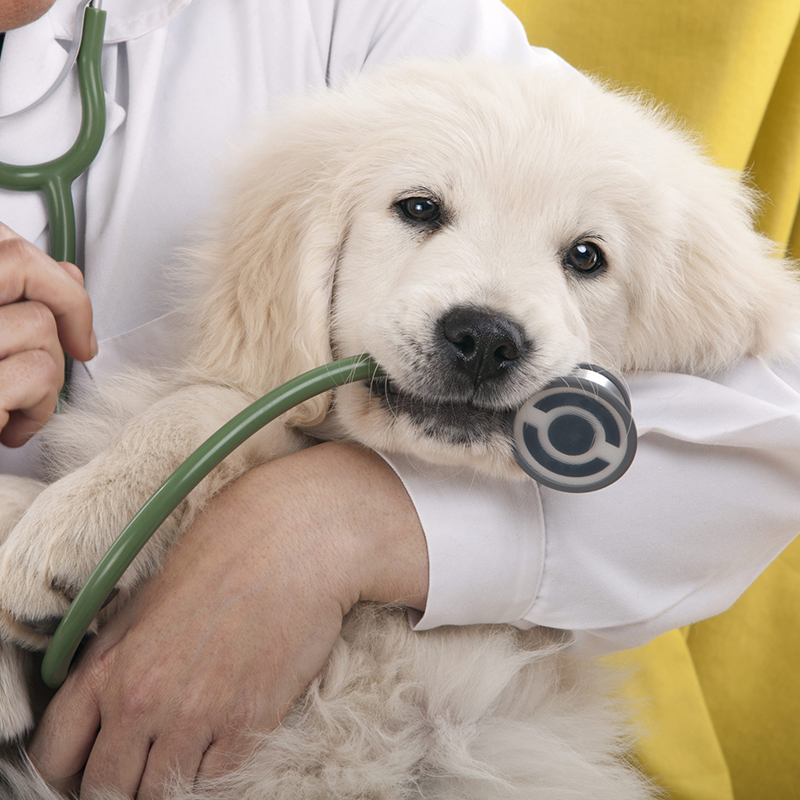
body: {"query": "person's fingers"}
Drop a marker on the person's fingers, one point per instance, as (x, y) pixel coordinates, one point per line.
(65, 735)
(28, 274)
(117, 761)
(29, 326)
(29, 381)
(77, 276)
(43, 309)
(172, 759)
(72, 271)
(225, 755)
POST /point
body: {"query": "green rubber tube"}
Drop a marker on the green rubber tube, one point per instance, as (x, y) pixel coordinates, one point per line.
(106, 575)
(54, 178)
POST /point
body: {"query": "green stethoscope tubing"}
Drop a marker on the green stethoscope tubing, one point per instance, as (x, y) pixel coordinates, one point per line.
(102, 581)
(54, 178)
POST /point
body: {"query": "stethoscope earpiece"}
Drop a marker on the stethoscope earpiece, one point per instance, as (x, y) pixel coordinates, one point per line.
(577, 434)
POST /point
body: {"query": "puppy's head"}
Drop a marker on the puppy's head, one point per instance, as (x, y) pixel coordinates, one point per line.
(479, 230)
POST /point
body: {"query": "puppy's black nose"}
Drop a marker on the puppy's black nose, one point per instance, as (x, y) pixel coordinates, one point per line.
(481, 343)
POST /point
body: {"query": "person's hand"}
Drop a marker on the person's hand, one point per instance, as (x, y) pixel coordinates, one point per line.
(242, 617)
(43, 308)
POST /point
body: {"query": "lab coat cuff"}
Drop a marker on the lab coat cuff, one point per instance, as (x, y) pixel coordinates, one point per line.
(485, 541)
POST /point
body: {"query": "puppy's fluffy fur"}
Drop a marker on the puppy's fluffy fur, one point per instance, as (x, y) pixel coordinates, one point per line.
(580, 225)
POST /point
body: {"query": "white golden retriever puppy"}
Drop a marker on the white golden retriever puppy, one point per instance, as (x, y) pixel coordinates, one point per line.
(478, 229)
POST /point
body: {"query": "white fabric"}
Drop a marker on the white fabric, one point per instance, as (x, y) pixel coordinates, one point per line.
(711, 498)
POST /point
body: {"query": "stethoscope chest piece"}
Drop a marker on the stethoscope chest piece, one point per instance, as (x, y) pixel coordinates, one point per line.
(577, 434)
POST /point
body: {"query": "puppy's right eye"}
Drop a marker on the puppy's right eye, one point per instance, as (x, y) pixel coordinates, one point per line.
(585, 258)
(420, 209)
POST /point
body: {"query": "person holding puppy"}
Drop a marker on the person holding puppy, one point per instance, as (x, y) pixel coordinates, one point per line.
(309, 535)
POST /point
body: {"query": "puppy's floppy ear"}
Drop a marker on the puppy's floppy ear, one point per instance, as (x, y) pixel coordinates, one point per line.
(713, 288)
(264, 315)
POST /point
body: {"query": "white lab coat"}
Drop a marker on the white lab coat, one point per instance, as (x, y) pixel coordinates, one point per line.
(711, 498)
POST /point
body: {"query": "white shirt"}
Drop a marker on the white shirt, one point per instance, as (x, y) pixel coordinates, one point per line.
(710, 499)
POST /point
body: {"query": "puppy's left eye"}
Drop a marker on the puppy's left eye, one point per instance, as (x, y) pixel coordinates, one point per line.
(585, 257)
(420, 209)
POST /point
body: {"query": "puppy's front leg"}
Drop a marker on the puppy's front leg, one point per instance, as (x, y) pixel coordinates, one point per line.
(58, 542)
(16, 718)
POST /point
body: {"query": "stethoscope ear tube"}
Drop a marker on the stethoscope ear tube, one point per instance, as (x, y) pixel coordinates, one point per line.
(54, 178)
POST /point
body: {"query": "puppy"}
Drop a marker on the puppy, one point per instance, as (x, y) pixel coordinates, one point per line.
(478, 229)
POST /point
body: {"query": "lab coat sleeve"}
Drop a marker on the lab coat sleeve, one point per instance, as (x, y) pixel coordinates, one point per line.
(710, 500)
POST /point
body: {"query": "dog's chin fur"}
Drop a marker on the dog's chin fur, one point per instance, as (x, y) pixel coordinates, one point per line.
(316, 256)
(450, 434)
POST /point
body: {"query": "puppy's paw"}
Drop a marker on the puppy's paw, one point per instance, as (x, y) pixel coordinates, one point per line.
(16, 495)
(49, 555)
(16, 718)
(32, 601)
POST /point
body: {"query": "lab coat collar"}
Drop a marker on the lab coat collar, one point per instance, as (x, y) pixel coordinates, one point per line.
(31, 62)
(125, 20)
(34, 55)
(32, 59)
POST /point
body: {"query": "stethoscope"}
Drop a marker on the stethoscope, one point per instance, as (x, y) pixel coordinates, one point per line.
(575, 435)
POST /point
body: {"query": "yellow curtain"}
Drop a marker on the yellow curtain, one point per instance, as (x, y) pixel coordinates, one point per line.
(723, 697)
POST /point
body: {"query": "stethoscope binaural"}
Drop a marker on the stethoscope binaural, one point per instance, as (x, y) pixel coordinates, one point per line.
(575, 435)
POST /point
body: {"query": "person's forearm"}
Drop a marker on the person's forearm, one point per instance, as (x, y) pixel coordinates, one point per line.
(361, 494)
(248, 605)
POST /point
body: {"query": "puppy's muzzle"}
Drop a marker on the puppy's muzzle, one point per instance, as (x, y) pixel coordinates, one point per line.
(481, 344)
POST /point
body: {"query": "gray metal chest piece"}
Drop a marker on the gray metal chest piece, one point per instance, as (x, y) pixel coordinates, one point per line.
(577, 434)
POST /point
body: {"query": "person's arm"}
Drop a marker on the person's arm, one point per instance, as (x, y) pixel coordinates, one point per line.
(242, 617)
(250, 602)
(710, 500)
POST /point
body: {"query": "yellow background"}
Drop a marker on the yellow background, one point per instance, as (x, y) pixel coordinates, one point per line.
(723, 697)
